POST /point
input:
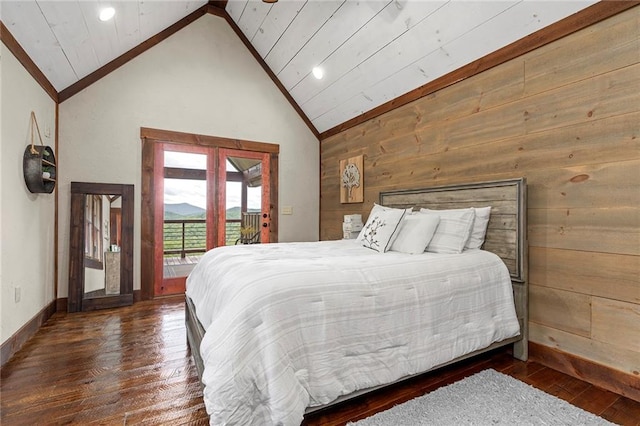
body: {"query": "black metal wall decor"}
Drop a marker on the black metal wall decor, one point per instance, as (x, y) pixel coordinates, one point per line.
(39, 164)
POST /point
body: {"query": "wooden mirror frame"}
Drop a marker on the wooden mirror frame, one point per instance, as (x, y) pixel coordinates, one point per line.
(76, 300)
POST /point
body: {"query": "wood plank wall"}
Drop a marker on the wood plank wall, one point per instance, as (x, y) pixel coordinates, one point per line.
(565, 116)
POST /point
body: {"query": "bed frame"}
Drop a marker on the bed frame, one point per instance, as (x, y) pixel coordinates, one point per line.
(506, 237)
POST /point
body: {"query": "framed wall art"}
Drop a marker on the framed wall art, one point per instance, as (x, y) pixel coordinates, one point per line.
(351, 180)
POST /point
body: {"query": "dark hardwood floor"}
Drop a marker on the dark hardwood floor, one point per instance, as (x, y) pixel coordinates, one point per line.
(131, 366)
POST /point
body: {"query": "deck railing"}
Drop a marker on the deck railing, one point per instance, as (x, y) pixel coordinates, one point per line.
(188, 236)
(184, 236)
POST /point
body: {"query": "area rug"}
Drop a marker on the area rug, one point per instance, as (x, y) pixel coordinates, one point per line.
(486, 398)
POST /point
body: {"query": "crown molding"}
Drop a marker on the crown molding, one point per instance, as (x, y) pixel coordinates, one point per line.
(266, 68)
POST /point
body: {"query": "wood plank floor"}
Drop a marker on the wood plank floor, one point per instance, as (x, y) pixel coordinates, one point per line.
(131, 366)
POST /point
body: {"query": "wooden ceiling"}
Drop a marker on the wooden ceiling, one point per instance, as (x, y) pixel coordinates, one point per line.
(67, 41)
(371, 51)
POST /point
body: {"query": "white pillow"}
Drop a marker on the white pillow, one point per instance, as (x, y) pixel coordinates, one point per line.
(415, 232)
(479, 229)
(381, 229)
(453, 230)
(377, 208)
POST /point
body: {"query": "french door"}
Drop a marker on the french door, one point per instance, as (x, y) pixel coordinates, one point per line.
(205, 197)
(246, 175)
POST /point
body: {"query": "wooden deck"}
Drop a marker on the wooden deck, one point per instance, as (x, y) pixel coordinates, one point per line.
(177, 260)
(131, 365)
(177, 266)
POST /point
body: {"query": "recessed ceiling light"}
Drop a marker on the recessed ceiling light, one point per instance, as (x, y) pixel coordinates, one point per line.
(317, 72)
(107, 13)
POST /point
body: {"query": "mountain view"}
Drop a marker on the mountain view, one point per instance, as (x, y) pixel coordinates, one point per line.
(188, 211)
(182, 211)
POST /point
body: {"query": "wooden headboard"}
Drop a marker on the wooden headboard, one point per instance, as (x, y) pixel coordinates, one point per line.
(506, 232)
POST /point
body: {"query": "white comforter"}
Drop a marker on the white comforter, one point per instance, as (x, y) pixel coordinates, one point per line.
(294, 325)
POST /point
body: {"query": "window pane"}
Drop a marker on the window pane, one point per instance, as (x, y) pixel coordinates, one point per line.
(185, 160)
(254, 198)
(185, 229)
(231, 167)
(193, 192)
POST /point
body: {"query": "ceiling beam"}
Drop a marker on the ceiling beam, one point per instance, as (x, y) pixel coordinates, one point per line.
(585, 18)
(131, 54)
(220, 4)
(22, 57)
(265, 67)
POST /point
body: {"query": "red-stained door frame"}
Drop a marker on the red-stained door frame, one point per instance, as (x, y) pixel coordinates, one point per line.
(155, 142)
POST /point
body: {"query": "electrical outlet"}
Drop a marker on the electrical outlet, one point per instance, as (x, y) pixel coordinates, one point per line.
(17, 294)
(287, 210)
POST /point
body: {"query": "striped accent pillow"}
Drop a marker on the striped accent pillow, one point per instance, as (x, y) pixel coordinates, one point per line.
(453, 230)
(479, 228)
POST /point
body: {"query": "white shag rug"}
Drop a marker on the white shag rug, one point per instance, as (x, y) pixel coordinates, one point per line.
(486, 398)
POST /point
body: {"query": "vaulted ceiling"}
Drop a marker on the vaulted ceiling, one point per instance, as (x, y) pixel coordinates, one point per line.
(371, 51)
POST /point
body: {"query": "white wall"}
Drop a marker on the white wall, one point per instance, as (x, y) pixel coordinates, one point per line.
(27, 220)
(200, 80)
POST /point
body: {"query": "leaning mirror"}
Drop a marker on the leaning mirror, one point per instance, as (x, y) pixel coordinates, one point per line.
(101, 246)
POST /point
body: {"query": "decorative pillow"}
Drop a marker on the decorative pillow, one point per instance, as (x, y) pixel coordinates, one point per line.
(415, 232)
(479, 229)
(375, 209)
(453, 230)
(381, 229)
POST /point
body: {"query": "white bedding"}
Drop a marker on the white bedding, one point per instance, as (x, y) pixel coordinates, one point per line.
(294, 325)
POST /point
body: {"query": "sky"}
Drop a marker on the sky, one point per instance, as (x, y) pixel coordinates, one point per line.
(194, 191)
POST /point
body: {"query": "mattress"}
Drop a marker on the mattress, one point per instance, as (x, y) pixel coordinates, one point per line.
(296, 325)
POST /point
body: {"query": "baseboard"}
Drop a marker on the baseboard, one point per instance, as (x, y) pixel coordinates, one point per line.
(15, 342)
(61, 304)
(597, 374)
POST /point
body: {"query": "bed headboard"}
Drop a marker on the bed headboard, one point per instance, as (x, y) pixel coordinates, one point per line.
(506, 232)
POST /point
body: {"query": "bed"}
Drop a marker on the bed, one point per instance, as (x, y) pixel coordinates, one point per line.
(276, 336)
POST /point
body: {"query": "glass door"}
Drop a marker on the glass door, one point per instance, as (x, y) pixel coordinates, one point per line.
(206, 197)
(185, 225)
(243, 197)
